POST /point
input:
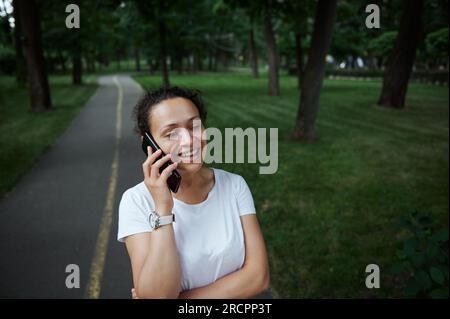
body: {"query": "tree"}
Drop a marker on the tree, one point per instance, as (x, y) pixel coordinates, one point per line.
(157, 12)
(11, 52)
(398, 71)
(272, 56)
(311, 84)
(350, 35)
(73, 46)
(21, 75)
(253, 10)
(36, 65)
(162, 44)
(383, 45)
(77, 66)
(130, 22)
(252, 48)
(296, 14)
(437, 45)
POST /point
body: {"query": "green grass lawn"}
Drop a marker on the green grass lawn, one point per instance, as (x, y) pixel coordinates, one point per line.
(26, 135)
(330, 209)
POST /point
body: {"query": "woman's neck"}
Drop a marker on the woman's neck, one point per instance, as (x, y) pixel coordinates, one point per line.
(193, 182)
(189, 179)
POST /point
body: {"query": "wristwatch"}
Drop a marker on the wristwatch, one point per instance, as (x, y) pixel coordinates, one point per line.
(157, 221)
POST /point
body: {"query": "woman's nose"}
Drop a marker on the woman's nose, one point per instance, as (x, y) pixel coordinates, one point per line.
(183, 136)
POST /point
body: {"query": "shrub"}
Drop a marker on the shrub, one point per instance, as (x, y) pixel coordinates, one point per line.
(423, 258)
(437, 44)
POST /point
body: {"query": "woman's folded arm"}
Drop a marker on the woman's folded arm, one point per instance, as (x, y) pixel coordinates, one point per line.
(155, 264)
(252, 279)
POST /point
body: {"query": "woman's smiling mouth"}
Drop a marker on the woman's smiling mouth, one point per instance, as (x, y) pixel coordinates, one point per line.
(189, 156)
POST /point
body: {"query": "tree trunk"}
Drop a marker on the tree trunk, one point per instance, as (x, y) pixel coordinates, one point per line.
(137, 59)
(150, 64)
(50, 60)
(162, 46)
(61, 61)
(195, 62)
(163, 55)
(154, 65)
(216, 60)
(252, 50)
(77, 67)
(370, 62)
(272, 58)
(200, 63)
(90, 63)
(225, 60)
(353, 61)
(380, 63)
(210, 60)
(299, 57)
(399, 67)
(37, 73)
(311, 83)
(179, 63)
(21, 71)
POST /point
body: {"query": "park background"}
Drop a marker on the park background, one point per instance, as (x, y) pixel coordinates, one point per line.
(362, 115)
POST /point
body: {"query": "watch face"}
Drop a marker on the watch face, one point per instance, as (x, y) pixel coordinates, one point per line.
(154, 220)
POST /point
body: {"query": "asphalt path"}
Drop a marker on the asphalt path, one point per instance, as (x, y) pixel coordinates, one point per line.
(55, 215)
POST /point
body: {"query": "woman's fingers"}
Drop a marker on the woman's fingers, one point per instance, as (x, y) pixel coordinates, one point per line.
(149, 161)
(157, 165)
(168, 170)
(151, 168)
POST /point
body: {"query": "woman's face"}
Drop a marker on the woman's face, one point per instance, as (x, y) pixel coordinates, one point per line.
(175, 125)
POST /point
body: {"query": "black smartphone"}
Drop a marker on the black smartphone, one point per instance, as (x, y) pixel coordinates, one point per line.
(174, 179)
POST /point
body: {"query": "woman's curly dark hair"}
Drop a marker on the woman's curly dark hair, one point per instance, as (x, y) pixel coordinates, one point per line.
(142, 110)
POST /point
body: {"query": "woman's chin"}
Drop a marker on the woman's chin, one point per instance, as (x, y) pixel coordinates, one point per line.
(189, 167)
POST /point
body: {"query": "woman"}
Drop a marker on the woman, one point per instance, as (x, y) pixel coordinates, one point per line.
(214, 248)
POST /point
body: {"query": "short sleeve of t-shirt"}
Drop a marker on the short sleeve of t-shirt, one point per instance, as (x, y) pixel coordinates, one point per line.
(244, 197)
(133, 215)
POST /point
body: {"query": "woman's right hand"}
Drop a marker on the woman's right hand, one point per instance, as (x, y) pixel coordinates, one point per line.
(156, 183)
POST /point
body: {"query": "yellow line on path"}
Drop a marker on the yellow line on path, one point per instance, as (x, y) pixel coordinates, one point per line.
(101, 247)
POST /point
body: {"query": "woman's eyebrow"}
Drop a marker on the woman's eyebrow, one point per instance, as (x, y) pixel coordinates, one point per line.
(165, 127)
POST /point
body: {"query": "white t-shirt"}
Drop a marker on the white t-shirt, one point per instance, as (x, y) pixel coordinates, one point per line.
(208, 235)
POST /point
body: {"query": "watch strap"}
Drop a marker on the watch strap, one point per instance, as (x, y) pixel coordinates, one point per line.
(165, 220)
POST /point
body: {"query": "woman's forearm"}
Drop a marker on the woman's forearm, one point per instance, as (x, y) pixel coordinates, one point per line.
(243, 283)
(160, 276)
